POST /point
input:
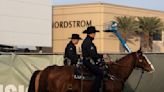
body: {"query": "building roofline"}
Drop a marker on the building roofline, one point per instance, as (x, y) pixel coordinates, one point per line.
(102, 3)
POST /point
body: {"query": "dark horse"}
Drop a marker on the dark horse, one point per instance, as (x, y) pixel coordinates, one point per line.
(60, 78)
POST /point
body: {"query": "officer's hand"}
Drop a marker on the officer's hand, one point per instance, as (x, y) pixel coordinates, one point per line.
(105, 56)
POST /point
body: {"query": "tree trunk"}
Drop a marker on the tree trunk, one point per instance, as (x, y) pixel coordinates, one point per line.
(151, 42)
(146, 42)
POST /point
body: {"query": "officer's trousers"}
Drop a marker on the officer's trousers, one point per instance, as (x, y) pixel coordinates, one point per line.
(98, 75)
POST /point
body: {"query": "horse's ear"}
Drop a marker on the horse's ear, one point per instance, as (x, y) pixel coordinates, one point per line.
(139, 51)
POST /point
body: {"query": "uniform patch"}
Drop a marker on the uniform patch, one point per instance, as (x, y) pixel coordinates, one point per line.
(92, 48)
(70, 48)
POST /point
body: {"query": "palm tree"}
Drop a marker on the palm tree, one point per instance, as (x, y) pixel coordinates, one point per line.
(127, 26)
(149, 27)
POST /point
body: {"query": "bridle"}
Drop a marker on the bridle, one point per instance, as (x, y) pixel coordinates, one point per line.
(134, 63)
(137, 56)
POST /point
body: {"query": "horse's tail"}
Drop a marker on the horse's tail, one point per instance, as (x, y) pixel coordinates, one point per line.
(32, 81)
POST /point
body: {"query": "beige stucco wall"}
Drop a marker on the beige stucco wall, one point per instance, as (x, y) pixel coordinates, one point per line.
(101, 15)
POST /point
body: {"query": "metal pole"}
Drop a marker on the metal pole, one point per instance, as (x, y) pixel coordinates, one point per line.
(114, 30)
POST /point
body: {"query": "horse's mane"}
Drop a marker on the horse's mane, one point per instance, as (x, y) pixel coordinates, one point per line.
(124, 57)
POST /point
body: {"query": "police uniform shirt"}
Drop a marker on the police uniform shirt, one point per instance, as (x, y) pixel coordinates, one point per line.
(70, 52)
(89, 50)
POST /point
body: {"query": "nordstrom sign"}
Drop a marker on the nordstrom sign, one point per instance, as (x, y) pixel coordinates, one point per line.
(72, 24)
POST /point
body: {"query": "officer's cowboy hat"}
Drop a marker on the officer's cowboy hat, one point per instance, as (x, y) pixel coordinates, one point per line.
(90, 30)
(75, 36)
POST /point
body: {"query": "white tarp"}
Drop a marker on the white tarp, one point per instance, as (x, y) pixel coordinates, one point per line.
(26, 22)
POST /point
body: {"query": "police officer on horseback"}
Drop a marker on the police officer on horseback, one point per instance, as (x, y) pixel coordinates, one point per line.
(91, 58)
(70, 56)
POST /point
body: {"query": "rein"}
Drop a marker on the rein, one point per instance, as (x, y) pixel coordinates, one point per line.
(142, 72)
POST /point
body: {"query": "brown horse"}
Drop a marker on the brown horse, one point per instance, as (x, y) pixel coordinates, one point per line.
(60, 78)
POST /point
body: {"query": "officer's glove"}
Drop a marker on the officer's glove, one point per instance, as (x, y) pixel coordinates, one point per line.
(100, 62)
(79, 62)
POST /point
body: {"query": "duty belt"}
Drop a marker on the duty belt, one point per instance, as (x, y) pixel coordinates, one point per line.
(90, 60)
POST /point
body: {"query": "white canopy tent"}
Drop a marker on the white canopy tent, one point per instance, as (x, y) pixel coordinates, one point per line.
(26, 22)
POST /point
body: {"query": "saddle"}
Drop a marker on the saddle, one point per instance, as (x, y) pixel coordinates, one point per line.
(82, 72)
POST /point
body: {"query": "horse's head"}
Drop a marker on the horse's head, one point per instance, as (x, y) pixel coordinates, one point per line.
(143, 62)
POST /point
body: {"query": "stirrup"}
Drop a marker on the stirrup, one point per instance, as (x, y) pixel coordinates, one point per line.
(111, 77)
(77, 76)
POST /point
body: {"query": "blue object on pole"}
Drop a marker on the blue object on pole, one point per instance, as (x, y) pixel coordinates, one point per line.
(123, 42)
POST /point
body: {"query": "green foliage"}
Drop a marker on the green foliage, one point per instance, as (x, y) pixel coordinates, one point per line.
(140, 24)
(145, 26)
(127, 24)
(150, 25)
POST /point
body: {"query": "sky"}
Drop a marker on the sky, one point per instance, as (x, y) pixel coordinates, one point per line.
(146, 4)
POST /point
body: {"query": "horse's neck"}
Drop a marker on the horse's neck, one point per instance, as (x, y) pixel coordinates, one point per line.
(126, 66)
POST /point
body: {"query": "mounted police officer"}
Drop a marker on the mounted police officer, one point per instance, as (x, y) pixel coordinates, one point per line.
(71, 57)
(91, 57)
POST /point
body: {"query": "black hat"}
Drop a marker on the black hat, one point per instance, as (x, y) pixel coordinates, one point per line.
(90, 30)
(75, 36)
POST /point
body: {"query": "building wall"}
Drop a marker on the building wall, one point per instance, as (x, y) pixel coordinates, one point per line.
(75, 13)
(99, 15)
(158, 46)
